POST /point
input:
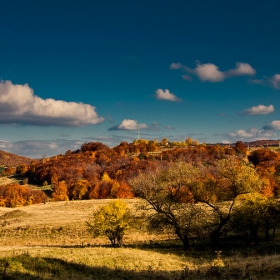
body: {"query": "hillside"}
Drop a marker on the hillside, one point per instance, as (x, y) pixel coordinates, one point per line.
(12, 159)
(50, 241)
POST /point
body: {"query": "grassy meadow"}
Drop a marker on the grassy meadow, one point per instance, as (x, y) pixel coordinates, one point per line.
(50, 241)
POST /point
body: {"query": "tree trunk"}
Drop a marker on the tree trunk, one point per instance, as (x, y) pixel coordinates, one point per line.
(255, 235)
(267, 237)
(215, 235)
(186, 242)
(184, 238)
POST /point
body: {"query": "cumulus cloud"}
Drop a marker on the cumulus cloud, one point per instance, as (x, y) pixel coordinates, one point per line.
(166, 95)
(211, 73)
(275, 81)
(259, 110)
(128, 125)
(18, 104)
(250, 134)
(274, 125)
(240, 70)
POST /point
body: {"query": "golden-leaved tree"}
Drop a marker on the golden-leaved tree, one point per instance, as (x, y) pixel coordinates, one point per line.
(111, 220)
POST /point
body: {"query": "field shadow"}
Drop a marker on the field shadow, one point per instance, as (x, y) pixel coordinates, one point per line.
(53, 268)
(26, 267)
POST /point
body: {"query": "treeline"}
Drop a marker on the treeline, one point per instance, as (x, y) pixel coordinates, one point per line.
(98, 171)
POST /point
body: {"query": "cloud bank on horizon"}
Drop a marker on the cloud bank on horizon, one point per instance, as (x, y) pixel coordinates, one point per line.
(38, 149)
(251, 134)
(18, 104)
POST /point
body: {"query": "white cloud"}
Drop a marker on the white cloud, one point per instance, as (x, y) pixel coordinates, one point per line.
(243, 133)
(259, 110)
(274, 125)
(166, 95)
(187, 78)
(176, 66)
(241, 69)
(250, 134)
(211, 73)
(275, 81)
(257, 81)
(129, 125)
(18, 104)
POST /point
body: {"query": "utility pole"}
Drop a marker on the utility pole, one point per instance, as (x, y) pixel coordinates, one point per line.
(138, 132)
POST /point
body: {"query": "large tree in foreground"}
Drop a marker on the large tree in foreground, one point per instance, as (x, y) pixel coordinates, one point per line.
(187, 197)
(167, 192)
(233, 179)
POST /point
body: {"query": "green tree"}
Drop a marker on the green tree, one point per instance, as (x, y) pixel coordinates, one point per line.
(111, 220)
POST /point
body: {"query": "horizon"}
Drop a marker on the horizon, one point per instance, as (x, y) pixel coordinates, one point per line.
(251, 144)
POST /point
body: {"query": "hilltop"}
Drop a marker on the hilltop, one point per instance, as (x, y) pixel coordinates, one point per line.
(12, 159)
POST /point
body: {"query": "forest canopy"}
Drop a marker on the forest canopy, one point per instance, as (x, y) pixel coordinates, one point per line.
(96, 171)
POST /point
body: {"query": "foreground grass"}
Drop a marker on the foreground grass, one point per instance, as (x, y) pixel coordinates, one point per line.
(50, 241)
(131, 263)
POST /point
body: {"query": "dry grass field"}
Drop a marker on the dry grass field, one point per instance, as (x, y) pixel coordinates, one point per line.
(50, 241)
(55, 224)
(6, 181)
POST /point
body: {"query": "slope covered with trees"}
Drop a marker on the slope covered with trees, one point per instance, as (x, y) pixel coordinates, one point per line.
(12, 159)
(98, 171)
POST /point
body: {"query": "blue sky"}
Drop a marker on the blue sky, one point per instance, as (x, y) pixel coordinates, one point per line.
(79, 71)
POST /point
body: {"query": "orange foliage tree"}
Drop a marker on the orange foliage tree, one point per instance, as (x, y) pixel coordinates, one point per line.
(15, 195)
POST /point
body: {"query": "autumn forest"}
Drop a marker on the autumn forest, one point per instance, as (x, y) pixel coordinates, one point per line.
(230, 182)
(97, 171)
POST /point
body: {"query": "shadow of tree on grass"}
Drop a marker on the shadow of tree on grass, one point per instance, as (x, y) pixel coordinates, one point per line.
(25, 267)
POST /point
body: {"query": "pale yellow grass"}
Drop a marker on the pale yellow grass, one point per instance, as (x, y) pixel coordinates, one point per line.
(60, 223)
(124, 258)
(57, 231)
(6, 181)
